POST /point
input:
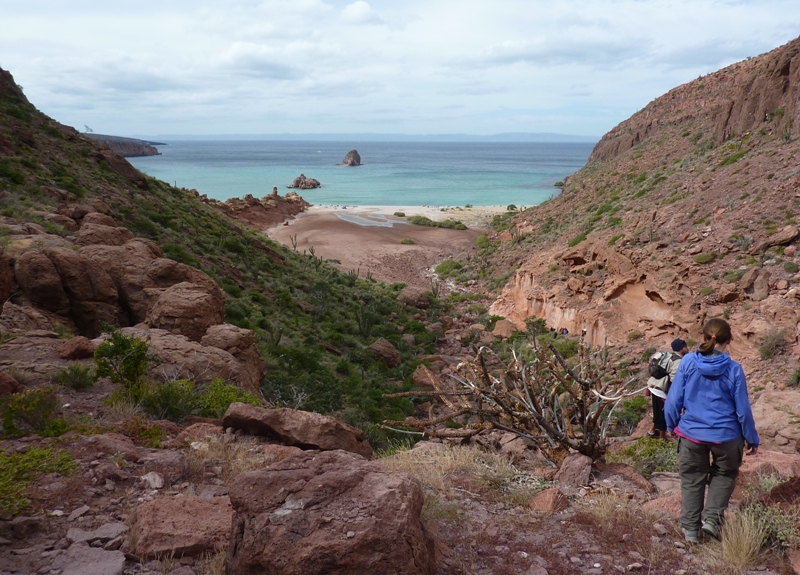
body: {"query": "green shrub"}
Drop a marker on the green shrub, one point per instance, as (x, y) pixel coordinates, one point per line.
(448, 268)
(791, 267)
(125, 361)
(17, 470)
(425, 221)
(630, 413)
(511, 208)
(577, 239)
(482, 242)
(734, 275)
(706, 290)
(647, 456)
(704, 258)
(217, 397)
(400, 214)
(795, 381)
(732, 158)
(407, 241)
(173, 400)
(76, 376)
(634, 335)
(614, 239)
(559, 184)
(29, 411)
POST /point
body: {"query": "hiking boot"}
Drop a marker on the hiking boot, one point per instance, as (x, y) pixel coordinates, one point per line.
(691, 535)
(710, 528)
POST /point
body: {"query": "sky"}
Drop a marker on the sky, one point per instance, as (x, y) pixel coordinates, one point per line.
(146, 68)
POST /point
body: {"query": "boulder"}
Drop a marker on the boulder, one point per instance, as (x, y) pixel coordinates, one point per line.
(414, 297)
(240, 343)
(549, 501)
(330, 513)
(98, 219)
(383, 349)
(40, 282)
(91, 234)
(180, 526)
(26, 318)
(109, 444)
(352, 159)
(777, 426)
(195, 432)
(669, 505)
(187, 309)
(8, 384)
(424, 377)
(504, 329)
(76, 348)
(575, 470)
(303, 429)
(779, 238)
(6, 277)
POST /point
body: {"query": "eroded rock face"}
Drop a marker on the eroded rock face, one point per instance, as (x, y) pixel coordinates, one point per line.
(304, 429)
(330, 513)
(187, 309)
(181, 526)
(240, 343)
(90, 234)
(39, 281)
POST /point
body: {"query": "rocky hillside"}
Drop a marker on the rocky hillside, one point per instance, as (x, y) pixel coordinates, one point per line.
(686, 211)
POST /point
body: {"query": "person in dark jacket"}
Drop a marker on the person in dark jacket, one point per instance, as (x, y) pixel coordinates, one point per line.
(709, 411)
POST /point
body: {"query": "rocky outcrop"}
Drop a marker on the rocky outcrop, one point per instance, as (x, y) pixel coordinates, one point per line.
(352, 159)
(126, 147)
(240, 343)
(182, 358)
(301, 182)
(335, 511)
(261, 214)
(304, 429)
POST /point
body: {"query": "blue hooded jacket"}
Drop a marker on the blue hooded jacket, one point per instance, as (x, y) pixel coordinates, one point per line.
(708, 400)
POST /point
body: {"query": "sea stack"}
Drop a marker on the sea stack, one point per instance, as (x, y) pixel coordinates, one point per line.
(303, 183)
(352, 159)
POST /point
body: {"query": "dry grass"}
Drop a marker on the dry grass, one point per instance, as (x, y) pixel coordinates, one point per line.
(466, 469)
(743, 536)
(616, 514)
(211, 564)
(119, 411)
(226, 459)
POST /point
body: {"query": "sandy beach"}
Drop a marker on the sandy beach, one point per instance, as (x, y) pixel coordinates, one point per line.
(368, 238)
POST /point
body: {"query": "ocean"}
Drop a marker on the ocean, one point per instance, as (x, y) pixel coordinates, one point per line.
(392, 173)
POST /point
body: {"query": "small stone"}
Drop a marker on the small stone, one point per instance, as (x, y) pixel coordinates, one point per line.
(57, 513)
(153, 480)
(114, 544)
(635, 566)
(4, 541)
(679, 544)
(78, 512)
(659, 528)
(351, 534)
(109, 485)
(575, 560)
(626, 537)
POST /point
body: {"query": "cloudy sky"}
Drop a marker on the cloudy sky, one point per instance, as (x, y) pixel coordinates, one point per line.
(152, 67)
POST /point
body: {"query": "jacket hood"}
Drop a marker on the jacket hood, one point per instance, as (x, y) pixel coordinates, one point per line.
(713, 365)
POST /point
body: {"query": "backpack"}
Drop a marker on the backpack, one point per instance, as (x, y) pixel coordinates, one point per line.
(659, 365)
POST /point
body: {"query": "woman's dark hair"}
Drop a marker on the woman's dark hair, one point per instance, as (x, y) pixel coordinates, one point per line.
(716, 331)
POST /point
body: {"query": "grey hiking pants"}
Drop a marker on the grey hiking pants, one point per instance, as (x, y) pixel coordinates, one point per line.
(714, 465)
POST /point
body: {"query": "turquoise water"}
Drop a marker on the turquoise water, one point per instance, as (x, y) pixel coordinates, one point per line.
(392, 173)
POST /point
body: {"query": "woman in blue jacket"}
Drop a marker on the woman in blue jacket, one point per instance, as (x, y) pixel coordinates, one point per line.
(707, 408)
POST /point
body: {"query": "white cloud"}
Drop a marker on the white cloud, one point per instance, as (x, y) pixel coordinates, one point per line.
(336, 65)
(360, 12)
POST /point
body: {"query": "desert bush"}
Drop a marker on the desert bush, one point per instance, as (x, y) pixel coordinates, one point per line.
(647, 456)
(217, 397)
(448, 268)
(449, 468)
(614, 514)
(704, 258)
(743, 536)
(400, 214)
(125, 361)
(791, 267)
(561, 406)
(31, 411)
(17, 470)
(173, 400)
(407, 241)
(773, 342)
(630, 413)
(233, 458)
(577, 239)
(795, 380)
(425, 221)
(76, 376)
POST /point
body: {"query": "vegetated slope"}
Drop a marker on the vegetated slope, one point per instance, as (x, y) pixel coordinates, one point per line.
(311, 322)
(686, 211)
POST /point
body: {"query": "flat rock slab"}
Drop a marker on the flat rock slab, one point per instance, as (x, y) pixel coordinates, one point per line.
(181, 526)
(81, 559)
(303, 429)
(104, 533)
(328, 513)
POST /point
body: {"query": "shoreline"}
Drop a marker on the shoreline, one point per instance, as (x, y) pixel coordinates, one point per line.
(384, 216)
